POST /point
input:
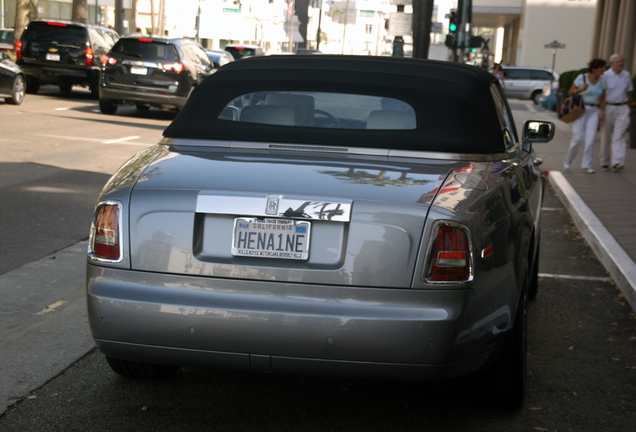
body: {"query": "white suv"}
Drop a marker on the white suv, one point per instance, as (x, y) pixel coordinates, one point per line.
(527, 82)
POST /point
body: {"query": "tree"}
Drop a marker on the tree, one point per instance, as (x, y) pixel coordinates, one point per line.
(25, 11)
(422, 18)
(79, 12)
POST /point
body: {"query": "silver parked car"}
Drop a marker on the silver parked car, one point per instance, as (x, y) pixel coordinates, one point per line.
(527, 82)
(337, 215)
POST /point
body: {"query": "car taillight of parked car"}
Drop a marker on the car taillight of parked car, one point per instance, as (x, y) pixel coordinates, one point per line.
(18, 50)
(89, 56)
(177, 67)
(108, 60)
(450, 254)
(105, 240)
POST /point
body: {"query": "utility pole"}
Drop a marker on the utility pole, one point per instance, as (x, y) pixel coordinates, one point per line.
(422, 18)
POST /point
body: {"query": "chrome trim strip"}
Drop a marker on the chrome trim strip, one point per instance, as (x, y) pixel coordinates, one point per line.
(414, 154)
(194, 142)
(431, 248)
(260, 205)
(91, 239)
(141, 63)
(474, 157)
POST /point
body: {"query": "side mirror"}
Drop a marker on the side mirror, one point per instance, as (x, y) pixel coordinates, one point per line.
(536, 131)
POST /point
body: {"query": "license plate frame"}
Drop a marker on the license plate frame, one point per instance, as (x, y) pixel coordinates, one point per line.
(52, 57)
(139, 70)
(259, 237)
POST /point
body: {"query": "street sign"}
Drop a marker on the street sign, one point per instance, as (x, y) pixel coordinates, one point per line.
(400, 24)
(436, 27)
(554, 45)
(233, 10)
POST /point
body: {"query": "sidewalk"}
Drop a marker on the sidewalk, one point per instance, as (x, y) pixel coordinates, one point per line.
(603, 205)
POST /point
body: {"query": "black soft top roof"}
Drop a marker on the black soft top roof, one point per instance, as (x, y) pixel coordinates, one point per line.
(454, 107)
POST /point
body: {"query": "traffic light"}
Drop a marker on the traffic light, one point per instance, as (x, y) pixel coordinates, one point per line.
(452, 25)
(451, 37)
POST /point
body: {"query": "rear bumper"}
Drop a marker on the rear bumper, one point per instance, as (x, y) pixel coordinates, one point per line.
(396, 334)
(49, 75)
(142, 95)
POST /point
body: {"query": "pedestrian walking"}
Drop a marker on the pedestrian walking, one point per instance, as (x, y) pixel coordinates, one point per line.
(617, 100)
(591, 86)
(498, 73)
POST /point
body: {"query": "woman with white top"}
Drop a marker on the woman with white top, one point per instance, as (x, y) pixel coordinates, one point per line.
(591, 86)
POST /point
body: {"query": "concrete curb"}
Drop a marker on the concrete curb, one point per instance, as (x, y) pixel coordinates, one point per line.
(613, 257)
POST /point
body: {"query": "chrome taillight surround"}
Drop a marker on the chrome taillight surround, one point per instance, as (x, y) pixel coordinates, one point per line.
(91, 241)
(428, 264)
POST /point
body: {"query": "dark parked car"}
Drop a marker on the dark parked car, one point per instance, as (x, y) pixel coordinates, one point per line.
(63, 53)
(12, 82)
(374, 217)
(152, 71)
(219, 58)
(6, 40)
(244, 51)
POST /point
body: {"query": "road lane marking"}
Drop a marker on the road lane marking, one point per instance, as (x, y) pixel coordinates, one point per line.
(121, 140)
(51, 307)
(551, 209)
(583, 278)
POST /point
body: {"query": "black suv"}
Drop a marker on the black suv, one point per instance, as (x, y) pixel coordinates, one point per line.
(64, 53)
(152, 71)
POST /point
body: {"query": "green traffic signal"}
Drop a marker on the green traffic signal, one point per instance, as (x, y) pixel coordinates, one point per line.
(453, 27)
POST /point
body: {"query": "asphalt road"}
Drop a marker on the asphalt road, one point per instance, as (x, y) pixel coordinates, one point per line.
(582, 334)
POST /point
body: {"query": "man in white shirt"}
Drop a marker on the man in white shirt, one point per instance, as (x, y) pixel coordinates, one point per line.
(616, 121)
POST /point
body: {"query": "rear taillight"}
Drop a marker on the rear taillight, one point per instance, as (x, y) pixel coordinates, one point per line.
(108, 60)
(89, 56)
(105, 241)
(450, 255)
(177, 67)
(18, 50)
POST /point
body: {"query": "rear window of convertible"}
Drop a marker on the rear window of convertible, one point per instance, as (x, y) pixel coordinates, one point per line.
(321, 110)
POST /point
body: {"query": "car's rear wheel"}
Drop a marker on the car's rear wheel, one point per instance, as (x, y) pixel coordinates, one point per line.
(533, 287)
(94, 87)
(142, 107)
(17, 94)
(66, 88)
(507, 380)
(133, 369)
(107, 106)
(536, 96)
(32, 85)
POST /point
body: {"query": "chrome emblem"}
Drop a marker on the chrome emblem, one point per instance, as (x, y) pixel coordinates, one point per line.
(138, 63)
(53, 50)
(272, 206)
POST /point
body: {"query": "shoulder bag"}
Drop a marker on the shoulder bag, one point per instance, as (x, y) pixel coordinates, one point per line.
(572, 108)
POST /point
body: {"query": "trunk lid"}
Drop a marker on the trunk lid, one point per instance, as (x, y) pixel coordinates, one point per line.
(361, 218)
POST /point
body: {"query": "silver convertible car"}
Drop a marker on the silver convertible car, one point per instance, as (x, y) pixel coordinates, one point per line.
(347, 216)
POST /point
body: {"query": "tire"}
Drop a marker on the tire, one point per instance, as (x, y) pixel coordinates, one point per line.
(66, 88)
(533, 286)
(536, 97)
(132, 369)
(507, 379)
(107, 106)
(17, 94)
(142, 107)
(94, 87)
(32, 85)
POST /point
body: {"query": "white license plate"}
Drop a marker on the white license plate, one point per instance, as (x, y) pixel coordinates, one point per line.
(138, 70)
(53, 57)
(271, 238)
